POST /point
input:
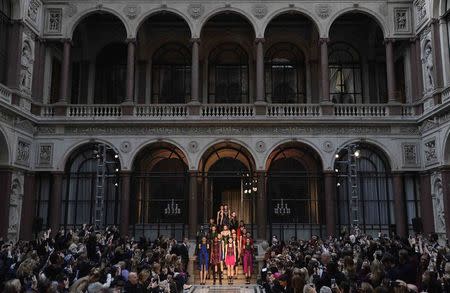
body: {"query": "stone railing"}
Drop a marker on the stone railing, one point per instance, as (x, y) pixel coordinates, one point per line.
(5, 94)
(360, 110)
(408, 111)
(47, 111)
(228, 111)
(293, 110)
(98, 111)
(172, 111)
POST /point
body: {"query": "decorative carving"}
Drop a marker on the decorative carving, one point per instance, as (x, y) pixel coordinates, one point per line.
(323, 10)
(15, 206)
(132, 11)
(23, 152)
(125, 147)
(227, 130)
(53, 21)
(71, 10)
(45, 157)
(196, 10)
(46, 130)
(26, 63)
(437, 195)
(260, 146)
(428, 66)
(401, 19)
(193, 147)
(421, 11)
(410, 158)
(430, 151)
(24, 124)
(328, 146)
(33, 10)
(260, 11)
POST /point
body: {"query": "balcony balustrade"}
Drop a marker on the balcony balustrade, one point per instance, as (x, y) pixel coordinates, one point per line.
(171, 111)
(5, 94)
(228, 111)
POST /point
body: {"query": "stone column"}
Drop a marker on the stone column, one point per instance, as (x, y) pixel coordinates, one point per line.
(399, 205)
(56, 202)
(195, 71)
(65, 68)
(324, 76)
(437, 56)
(419, 73)
(28, 207)
(444, 50)
(5, 189)
(390, 71)
(330, 202)
(260, 93)
(130, 70)
(261, 206)
(125, 202)
(426, 203)
(193, 202)
(415, 69)
(446, 191)
(14, 52)
(39, 71)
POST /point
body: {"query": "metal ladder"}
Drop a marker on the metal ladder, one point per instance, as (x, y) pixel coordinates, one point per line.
(353, 185)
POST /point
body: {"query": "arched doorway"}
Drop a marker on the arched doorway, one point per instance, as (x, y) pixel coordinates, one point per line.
(372, 186)
(227, 171)
(294, 191)
(159, 191)
(92, 170)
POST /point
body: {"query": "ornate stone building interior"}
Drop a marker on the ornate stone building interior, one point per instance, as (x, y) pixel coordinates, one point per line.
(306, 117)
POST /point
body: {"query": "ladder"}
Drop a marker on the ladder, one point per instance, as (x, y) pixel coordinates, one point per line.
(101, 153)
(353, 185)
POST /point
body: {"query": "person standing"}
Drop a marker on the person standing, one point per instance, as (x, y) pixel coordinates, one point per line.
(247, 255)
(230, 259)
(216, 258)
(203, 259)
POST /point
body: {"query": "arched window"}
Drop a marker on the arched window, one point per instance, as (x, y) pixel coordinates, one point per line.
(345, 74)
(285, 74)
(228, 74)
(373, 188)
(5, 15)
(80, 186)
(171, 74)
(110, 74)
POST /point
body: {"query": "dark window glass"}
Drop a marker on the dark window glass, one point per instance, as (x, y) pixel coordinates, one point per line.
(5, 15)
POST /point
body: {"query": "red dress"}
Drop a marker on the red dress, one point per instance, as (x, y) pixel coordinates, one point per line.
(230, 259)
(216, 253)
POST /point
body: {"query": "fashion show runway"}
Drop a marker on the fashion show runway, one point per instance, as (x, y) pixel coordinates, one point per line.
(226, 289)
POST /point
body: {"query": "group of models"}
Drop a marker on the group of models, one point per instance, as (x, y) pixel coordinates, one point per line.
(224, 244)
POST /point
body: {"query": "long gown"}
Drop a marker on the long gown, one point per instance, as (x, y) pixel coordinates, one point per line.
(248, 259)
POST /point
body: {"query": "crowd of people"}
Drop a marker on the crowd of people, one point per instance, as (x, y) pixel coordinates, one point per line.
(90, 261)
(223, 245)
(87, 260)
(357, 263)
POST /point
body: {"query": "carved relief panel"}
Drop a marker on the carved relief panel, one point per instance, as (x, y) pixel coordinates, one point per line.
(430, 152)
(23, 151)
(427, 62)
(410, 154)
(437, 196)
(402, 20)
(33, 13)
(53, 20)
(15, 206)
(26, 62)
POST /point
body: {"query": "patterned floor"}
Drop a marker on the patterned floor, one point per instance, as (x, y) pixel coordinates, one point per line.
(226, 289)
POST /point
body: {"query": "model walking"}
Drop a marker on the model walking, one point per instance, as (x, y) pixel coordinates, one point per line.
(230, 259)
(203, 260)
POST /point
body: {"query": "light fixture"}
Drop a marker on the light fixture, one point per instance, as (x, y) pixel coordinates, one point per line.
(338, 184)
(116, 184)
(357, 153)
(117, 169)
(116, 156)
(336, 156)
(336, 170)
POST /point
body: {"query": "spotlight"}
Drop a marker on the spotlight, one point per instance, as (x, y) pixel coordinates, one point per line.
(357, 153)
(116, 184)
(245, 191)
(255, 189)
(336, 156)
(117, 169)
(338, 184)
(116, 156)
(336, 170)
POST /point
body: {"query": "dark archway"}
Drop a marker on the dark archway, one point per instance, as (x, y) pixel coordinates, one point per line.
(159, 191)
(294, 191)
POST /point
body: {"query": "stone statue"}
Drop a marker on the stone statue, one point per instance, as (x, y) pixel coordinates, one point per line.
(428, 67)
(27, 66)
(15, 206)
(438, 200)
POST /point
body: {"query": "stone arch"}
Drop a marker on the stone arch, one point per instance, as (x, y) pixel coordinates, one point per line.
(74, 148)
(302, 142)
(314, 20)
(227, 149)
(245, 15)
(78, 19)
(5, 149)
(149, 14)
(378, 147)
(370, 13)
(445, 152)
